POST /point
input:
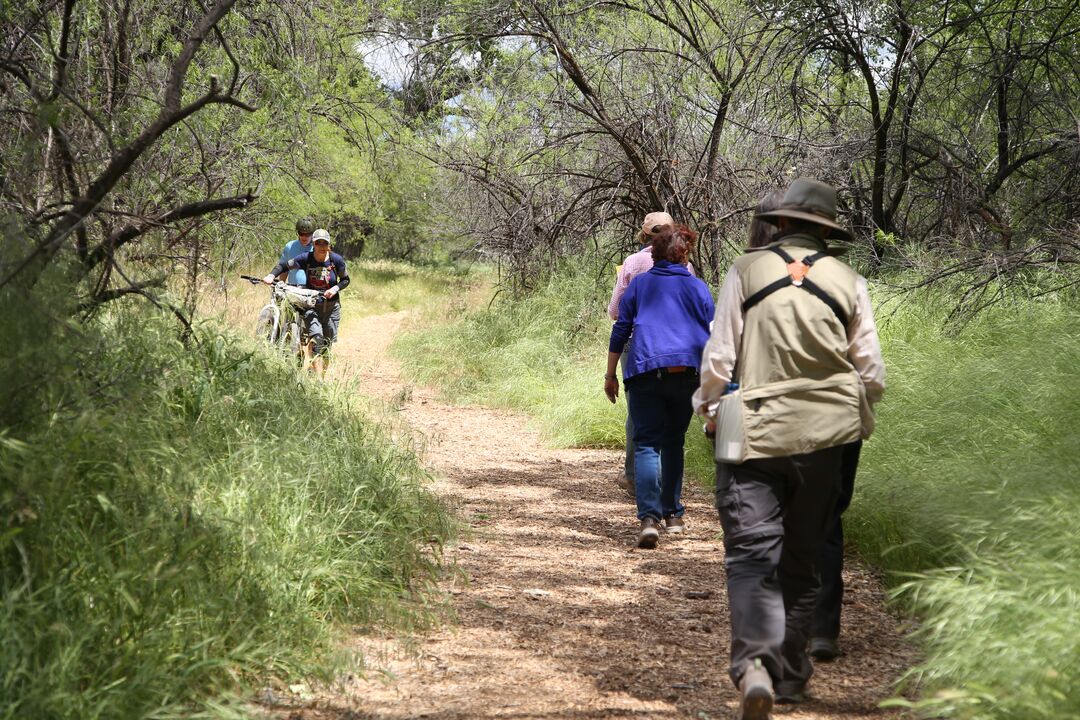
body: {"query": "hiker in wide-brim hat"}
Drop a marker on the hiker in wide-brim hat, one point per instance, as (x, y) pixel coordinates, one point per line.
(789, 376)
(809, 201)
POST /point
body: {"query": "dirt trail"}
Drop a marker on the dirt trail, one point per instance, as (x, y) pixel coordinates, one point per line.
(558, 614)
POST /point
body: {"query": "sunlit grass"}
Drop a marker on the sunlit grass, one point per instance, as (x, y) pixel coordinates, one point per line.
(545, 353)
(969, 487)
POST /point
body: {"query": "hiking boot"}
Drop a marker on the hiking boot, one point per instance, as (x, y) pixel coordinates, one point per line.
(824, 649)
(674, 524)
(649, 534)
(627, 484)
(791, 693)
(755, 693)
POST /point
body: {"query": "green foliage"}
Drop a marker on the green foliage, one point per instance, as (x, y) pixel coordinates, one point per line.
(335, 179)
(966, 493)
(179, 522)
(373, 195)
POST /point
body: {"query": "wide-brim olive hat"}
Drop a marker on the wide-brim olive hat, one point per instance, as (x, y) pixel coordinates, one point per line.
(811, 201)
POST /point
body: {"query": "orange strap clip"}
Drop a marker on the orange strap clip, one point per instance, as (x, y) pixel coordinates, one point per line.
(797, 270)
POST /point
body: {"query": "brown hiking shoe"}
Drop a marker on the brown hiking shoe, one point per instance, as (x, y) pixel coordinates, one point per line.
(627, 485)
(649, 534)
(674, 524)
(755, 693)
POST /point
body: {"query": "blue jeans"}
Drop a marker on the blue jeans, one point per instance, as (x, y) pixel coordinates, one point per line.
(660, 409)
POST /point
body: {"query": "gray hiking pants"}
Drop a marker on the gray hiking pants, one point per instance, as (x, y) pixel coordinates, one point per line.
(322, 324)
(831, 560)
(775, 513)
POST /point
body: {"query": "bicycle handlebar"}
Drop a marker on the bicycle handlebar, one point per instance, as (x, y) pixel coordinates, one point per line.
(320, 298)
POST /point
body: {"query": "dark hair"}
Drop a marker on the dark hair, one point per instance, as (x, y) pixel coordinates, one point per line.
(807, 227)
(673, 243)
(762, 230)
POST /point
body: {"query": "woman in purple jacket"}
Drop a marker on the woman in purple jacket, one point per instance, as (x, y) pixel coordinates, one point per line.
(667, 310)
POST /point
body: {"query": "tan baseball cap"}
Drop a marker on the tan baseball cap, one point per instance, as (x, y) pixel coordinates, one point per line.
(654, 220)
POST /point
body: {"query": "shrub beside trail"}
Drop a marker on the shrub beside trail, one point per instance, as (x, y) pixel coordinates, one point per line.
(966, 495)
(181, 521)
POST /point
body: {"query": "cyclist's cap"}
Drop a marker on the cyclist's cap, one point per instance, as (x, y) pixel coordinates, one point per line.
(321, 236)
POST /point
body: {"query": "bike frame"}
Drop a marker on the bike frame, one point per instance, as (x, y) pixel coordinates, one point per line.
(280, 322)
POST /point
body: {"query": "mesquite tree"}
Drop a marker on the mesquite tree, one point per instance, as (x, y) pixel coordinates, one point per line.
(133, 131)
(949, 128)
(96, 97)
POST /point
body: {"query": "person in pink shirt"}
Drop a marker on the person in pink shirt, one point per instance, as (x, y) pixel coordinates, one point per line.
(637, 264)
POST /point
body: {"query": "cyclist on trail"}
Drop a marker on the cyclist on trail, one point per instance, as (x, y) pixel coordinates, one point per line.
(325, 272)
(305, 226)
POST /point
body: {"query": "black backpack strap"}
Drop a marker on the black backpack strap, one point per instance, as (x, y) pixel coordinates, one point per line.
(782, 253)
(766, 292)
(773, 286)
(806, 283)
(815, 289)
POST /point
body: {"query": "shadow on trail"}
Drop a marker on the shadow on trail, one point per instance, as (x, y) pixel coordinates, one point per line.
(555, 577)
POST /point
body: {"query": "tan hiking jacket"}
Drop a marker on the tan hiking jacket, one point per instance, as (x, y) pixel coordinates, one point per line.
(807, 382)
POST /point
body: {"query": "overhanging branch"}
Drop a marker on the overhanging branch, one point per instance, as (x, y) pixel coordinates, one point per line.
(121, 236)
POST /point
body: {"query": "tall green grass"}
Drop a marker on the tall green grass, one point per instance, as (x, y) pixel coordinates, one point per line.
(969, 488)
(180, 522)
(967, 495)
(382, 286)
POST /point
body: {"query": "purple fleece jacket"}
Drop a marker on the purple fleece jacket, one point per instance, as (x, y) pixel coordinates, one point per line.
(668, 311)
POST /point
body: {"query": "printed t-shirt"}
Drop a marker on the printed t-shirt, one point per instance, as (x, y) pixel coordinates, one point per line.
(322, 275)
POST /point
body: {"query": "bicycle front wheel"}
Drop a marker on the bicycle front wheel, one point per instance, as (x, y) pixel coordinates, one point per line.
(291, 340)
(268, 325)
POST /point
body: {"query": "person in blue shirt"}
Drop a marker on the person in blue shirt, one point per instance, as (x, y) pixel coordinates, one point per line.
(325, 272)
(304, 228)
(668, 311)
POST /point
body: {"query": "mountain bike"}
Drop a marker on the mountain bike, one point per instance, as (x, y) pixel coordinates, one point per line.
(280, 321)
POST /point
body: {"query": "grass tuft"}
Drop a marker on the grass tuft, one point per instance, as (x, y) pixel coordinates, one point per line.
(967, 494)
